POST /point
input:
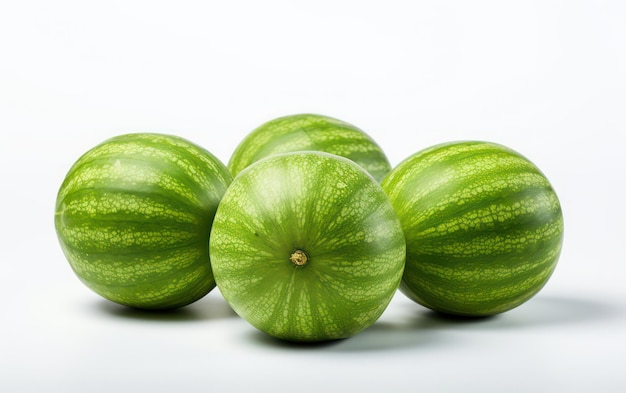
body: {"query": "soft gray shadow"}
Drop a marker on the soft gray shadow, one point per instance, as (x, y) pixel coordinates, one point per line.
(542, 311)
(260, 338)
(391, 336)
(383, 335)
(545, 311)
(417, 327)
(211, 307)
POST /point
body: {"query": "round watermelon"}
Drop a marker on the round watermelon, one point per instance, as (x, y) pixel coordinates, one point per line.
(483, 227)
(133, 217)
(306, 246)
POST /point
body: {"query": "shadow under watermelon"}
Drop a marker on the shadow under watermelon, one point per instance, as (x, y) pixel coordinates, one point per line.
(211, 307)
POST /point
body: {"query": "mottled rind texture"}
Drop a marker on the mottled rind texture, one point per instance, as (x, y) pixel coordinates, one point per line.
(483, 227)
(133, 217)
(311, 132)
(327, 207)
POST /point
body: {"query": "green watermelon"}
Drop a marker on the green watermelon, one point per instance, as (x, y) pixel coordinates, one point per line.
(312, 132)
(483, 227)
(306, 246)
(133, 218)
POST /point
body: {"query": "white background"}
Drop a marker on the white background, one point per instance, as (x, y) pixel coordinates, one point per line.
(546, 78)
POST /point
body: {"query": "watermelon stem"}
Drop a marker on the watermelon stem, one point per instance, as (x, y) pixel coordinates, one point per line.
(299, 258)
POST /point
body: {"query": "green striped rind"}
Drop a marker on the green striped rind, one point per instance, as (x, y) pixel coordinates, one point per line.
(133, 217)
(312, 132)
(483, 227)
(328, 207)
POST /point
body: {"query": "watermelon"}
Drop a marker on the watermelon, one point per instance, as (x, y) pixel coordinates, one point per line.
(483, 227)
(306, 246)
(310, 132)
(133, 217)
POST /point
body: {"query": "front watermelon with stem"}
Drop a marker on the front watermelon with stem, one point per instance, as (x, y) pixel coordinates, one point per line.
(483, 227)
(310, 132)
(306, 246)
(133, 217)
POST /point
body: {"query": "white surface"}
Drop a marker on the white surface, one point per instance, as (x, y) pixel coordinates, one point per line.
(545, 78)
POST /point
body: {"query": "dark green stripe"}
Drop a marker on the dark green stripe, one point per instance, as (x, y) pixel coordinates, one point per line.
(181, 161)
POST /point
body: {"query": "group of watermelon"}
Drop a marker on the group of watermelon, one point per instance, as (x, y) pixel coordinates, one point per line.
(309, 232)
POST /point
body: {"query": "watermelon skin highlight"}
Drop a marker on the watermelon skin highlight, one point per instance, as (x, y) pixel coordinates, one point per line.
(310, 132)
(483, 227)
(133, 217)
(306, 246)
